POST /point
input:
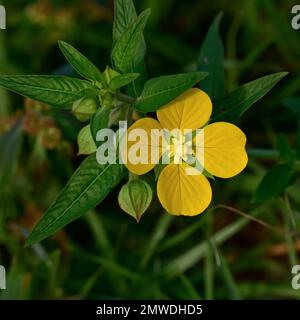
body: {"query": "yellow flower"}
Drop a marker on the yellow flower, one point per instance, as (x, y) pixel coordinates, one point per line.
(222, 152)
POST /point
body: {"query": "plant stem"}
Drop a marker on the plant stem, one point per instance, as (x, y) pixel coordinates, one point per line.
(209, 273)
(288, 232)
(291, 214)
(159, 233)
(133, 176)
(248, 216)
(263, 153)
(124, 98)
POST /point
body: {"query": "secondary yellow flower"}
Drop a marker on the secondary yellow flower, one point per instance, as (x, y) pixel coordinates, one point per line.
(222, 152)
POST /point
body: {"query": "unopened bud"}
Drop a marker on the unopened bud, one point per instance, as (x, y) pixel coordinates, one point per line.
(135, 198)
(84, 108)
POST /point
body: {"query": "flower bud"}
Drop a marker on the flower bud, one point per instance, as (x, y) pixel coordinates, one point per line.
(84, 108)
(86, 144)
(135, 198)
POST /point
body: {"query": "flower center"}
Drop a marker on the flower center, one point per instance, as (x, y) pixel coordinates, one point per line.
(180, 149)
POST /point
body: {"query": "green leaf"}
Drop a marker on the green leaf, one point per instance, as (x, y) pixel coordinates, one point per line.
(236, 103)
(135, 88)
(211, 60)
(161, 90)
(86, 144)
(122, 80)
(88, 186)
(125, 50)
(100, 120)
(54, 90)
(135, 197)
(124, 16)
(274, 182)
(80, 63)
(109, 74)
(292, 104)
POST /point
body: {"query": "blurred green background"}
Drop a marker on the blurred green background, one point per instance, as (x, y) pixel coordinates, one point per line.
(236, 249)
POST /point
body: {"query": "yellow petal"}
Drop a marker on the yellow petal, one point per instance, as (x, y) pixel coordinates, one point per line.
(183, 193)
(224, 149)
(191, 110)
(141, 153)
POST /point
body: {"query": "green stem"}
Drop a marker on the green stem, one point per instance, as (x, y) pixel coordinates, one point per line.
(209, 264)
(270, 154)
(263, 153)
(133, 176)
(247, 216)
(124, 98)
(291, 214)
(129, 115)
(209, 273)
(288, 232)
(155, 240)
